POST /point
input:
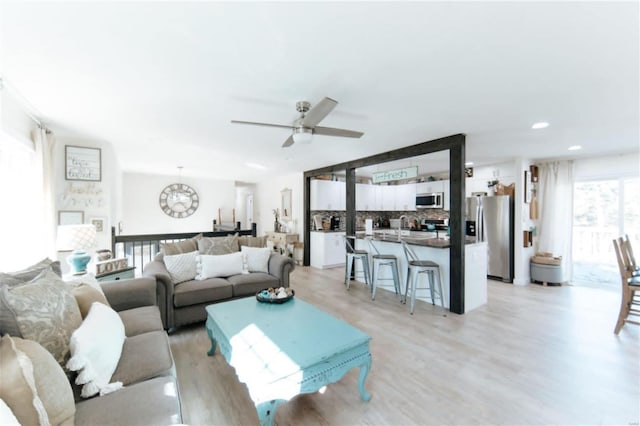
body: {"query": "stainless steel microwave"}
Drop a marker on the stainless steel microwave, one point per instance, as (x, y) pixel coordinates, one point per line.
(433, 200)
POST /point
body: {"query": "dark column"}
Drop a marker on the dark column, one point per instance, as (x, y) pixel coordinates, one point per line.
(456, 223)
(351, 201)
(306, 185)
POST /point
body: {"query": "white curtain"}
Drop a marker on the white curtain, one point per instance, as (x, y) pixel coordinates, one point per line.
(45, 142)
(556, 212)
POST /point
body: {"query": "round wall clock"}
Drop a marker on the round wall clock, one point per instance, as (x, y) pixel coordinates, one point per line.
(179, 200)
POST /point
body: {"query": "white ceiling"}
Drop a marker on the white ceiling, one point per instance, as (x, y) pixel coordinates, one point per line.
(162, 80)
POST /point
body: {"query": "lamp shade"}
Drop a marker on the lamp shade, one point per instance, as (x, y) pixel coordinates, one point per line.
(76, 237)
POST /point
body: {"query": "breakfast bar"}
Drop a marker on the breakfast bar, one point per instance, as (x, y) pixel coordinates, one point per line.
(429, 246)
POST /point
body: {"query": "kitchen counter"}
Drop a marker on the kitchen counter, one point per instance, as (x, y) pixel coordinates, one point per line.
(328, 231)
(417, 238)
(428, 247)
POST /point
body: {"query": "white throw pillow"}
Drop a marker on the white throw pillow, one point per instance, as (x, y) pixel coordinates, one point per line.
(224, 265)
(96, 347)
(257, 258)
(7, 418)
(181, 267)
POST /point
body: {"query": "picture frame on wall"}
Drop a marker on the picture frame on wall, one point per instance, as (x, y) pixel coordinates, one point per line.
(70, 217)
(527, 186)
(82, 163)
(99, 223)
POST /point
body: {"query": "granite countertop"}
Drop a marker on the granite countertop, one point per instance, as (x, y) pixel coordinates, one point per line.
(424, 240)
(327, 231)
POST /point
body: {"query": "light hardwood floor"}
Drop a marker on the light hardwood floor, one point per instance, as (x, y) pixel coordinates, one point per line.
(532, 355)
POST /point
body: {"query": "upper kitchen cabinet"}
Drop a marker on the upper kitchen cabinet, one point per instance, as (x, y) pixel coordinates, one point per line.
(327, 195)
(446, 194)
(405, 197)
(430, 187)
(365, 197)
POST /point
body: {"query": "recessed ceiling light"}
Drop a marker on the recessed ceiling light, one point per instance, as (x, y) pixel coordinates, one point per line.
(256, 166)
(575, 148)
(540, 125)
(469, 163)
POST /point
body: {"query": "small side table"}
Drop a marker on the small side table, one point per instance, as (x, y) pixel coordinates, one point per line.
(121, 274)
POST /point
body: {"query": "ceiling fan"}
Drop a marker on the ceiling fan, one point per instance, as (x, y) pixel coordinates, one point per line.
(306, 125)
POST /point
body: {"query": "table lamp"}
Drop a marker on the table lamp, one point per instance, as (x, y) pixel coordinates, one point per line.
(77, 238)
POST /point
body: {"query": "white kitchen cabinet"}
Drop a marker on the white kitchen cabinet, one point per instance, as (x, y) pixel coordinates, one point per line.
(365, 197)
(327, 250)
(405, 197)
(327, 195)
(388, 197)
(446, 193)
(430, 187)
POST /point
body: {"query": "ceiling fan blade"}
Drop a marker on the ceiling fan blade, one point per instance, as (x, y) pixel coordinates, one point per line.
(253, 123)
(318, 112)
(288, 142)
(331, 131)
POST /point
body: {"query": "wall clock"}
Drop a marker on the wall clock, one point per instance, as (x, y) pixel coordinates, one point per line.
(179, 200)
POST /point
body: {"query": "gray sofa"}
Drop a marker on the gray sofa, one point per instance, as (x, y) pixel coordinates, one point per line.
(185, 303)
(150, 394)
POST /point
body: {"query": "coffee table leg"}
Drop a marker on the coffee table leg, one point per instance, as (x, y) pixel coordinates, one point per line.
(267, 411)
(212, 351)
(364, 371)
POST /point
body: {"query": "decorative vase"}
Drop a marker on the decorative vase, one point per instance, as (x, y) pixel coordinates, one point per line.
(276, 226)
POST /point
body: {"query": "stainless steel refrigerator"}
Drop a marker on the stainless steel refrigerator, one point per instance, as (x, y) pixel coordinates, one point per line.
(490, 219)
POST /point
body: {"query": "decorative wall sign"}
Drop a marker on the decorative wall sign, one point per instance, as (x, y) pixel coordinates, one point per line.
(399, 174)
(70, 217)
(179, 200)
(111, 265)
(86, 195)
(82, 163)
(99, 223)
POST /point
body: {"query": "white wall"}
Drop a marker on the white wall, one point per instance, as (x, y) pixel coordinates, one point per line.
(267, 198)
(503, 172)
(614, 166)
(95, 199)
(141, 213)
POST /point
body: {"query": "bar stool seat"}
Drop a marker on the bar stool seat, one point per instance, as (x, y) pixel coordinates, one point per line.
(383, 260)
(352, 255)
(416, 267)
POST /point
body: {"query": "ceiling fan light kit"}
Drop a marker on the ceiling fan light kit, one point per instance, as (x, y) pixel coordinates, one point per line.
(306, 125)
(302, 135)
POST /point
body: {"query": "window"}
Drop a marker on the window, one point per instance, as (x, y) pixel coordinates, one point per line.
(602, 211)
(21, 218)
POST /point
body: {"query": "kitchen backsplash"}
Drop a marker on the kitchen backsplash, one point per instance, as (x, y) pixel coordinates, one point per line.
(382, 216)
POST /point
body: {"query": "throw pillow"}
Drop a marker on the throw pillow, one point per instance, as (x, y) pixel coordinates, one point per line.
(219, 245)
(45, 311)
(257, 259)
(85, 296)
(96, 347)
(249, 241)
(18, 387)
(224, 265)
(181, 267)
(7, 320)
(181, 247)
(7, 418)
(51, 382)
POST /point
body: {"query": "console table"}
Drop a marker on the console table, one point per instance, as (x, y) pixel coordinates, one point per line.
(281, 240)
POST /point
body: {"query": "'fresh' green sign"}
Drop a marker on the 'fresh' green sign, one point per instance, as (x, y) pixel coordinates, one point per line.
(406, 173)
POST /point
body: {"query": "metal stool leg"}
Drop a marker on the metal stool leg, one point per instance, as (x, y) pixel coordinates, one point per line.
(439, 278)
(414, 285)
(374, 278)
(396, 276)
(431, 286)
(406, 286)
(347, 273)
(367, 272)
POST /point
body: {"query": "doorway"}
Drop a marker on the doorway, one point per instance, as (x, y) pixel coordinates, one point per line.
(602, 210)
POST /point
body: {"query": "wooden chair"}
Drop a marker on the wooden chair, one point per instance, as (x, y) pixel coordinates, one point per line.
(630, 284)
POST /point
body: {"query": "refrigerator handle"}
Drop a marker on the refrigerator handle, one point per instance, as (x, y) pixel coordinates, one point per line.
(480, 224)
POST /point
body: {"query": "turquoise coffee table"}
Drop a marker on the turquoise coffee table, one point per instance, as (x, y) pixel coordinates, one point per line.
(281, 351)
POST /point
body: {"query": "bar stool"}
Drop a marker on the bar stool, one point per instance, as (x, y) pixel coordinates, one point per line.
(353, 255)
(417, 267)
(383, 260)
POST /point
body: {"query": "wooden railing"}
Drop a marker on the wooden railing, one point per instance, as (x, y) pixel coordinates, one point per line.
(141, 249)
